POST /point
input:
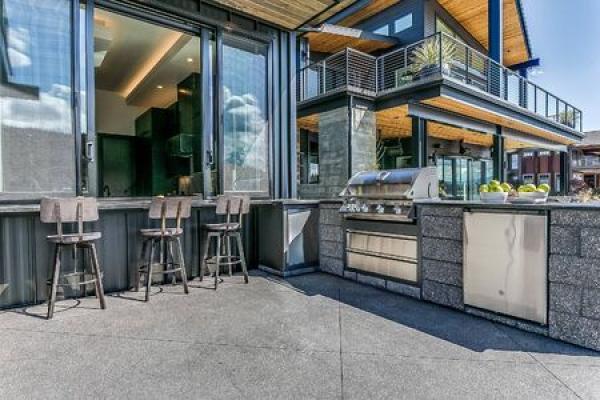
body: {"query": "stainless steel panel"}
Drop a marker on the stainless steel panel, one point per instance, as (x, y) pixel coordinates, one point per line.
(390, 245)
(505, 264)
(383, 254)
(383, 266)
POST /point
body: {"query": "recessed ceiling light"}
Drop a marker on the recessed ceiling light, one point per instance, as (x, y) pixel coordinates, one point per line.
(190, 59)
(159, 86)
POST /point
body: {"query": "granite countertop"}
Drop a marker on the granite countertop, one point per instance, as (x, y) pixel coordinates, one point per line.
(108, 204)
(550, 205)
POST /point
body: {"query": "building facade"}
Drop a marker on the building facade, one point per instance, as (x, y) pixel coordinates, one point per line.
(441, 83)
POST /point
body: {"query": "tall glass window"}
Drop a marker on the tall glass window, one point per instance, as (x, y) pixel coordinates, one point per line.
(245, 119)
(37, 154)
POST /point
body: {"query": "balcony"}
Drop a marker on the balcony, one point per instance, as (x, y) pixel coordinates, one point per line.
(587, 162)
(436, 57)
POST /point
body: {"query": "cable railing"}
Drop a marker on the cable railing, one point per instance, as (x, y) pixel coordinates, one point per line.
(435, 57)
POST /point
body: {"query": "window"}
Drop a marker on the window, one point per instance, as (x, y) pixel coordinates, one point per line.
(557, 187)
(403, 23)
(308, 157)
(37, 145)
(544, 153)
(441, 26)
(514, 161)
(148, 108)
(384, 30)
(245, 127)
(528, 178)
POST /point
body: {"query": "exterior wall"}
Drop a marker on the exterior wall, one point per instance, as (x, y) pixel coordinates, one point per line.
(433, 8)
(410, 35)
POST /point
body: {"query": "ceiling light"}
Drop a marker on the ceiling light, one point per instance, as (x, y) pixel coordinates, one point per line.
(190, 59)
(159, 86)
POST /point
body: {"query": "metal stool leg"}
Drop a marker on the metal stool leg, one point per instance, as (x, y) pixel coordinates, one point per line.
(149, 270)
(140, 265)
(204, 259)
(218, 260)
(240, 246)
(98, 276)
(182, 266)
(228, 244)
(54, 283)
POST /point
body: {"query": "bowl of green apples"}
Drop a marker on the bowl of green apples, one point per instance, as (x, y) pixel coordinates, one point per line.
(494, 192)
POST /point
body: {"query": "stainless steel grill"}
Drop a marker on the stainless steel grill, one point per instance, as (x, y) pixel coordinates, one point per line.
(388, 195)
(381, 233)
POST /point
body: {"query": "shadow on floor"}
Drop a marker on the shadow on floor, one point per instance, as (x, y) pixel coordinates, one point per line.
(471, 332)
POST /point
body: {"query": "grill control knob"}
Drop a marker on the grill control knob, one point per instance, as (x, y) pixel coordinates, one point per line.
(380, 209)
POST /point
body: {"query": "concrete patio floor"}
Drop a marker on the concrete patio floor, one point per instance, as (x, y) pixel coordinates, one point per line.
(309, 337)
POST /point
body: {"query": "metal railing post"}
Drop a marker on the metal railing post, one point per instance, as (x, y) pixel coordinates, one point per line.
(324, 83)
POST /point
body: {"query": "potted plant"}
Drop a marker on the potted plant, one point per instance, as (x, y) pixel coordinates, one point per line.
(425, 59)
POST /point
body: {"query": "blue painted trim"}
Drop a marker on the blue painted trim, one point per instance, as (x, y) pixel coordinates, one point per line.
(495, 36)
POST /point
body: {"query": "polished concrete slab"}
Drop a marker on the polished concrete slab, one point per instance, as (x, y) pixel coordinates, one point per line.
(309, 337)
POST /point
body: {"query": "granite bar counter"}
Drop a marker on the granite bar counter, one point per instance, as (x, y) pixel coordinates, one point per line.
(25, 255)
(571, 263)
(573, 267)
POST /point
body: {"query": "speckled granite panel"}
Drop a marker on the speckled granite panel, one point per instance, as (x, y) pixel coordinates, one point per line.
(442, 211)
(442, 272)
(565, 298)
(442, 250)
(371, 280)
(442, 227)
(590, 242)
(564, 240)
(447, 295)
(575, 329)
(575, 217)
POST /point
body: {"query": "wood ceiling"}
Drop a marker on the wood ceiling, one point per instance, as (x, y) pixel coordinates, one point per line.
(461, 108)
(395, 123)
(309, 122)
(332, 42)
(288, 14)
(473, 16)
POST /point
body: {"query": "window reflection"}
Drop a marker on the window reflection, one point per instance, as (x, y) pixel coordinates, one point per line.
(245, 136)
(36, 140)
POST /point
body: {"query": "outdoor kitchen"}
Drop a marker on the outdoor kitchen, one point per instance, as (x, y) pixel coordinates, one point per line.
(531, 265)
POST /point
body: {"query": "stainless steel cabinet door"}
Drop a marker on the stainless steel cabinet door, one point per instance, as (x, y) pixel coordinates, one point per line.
(505, 264)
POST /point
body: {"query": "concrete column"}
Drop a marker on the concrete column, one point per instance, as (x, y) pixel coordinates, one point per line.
(363, 139)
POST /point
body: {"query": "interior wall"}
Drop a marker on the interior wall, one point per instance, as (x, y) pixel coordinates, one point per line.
(114, 115)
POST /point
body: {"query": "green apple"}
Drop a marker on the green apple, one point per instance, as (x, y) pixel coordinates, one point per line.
(496, 188)
(494, 182)
(484, 188)
(544, 187)
(506, 187)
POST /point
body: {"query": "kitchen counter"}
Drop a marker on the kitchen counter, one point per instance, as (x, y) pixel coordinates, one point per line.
(108, 204)
(551, 204)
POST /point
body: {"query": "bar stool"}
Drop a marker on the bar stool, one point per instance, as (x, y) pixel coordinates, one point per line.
(234, 208)
(69, 210)
(164, 209)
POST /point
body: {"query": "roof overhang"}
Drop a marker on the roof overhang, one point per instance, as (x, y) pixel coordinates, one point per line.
(473, 16)
(329, 38)
(288, 14)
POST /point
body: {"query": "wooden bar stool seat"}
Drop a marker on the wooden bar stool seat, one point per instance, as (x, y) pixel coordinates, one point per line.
(70, 210)
(233, 207)
(158, 232)
(166, 238)
(73, 238)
